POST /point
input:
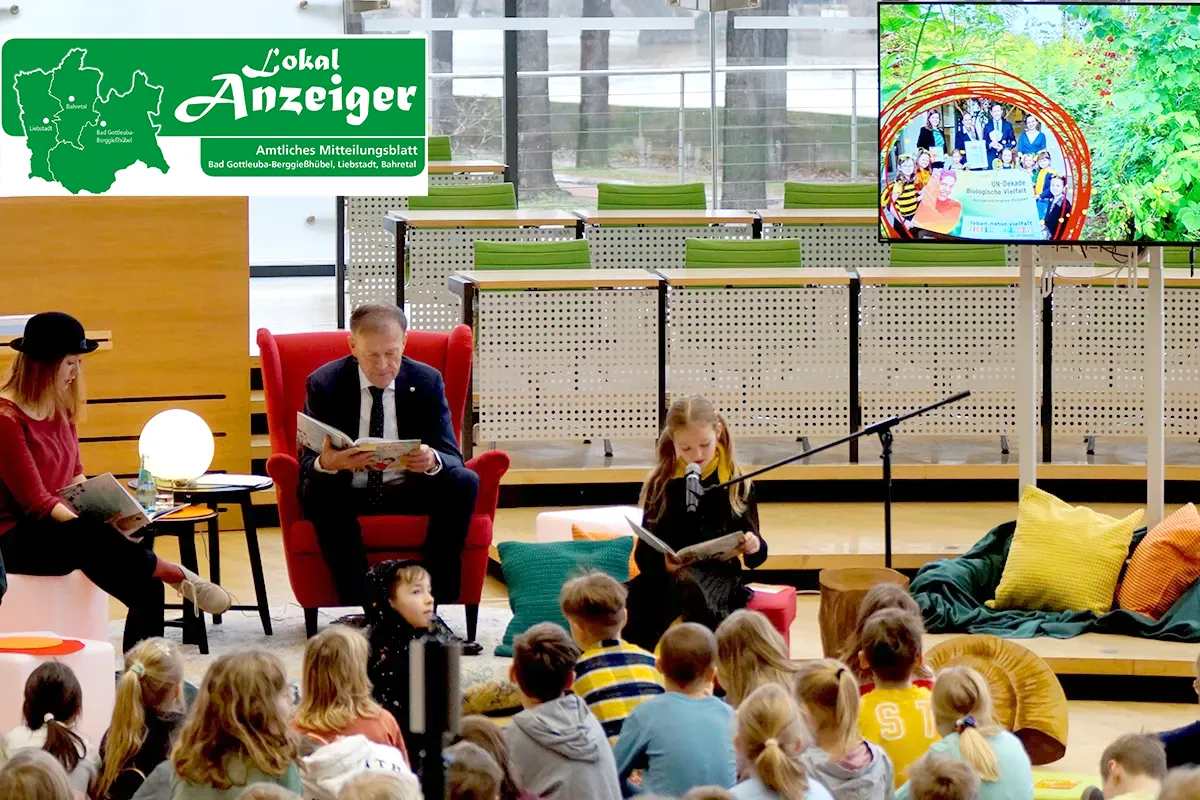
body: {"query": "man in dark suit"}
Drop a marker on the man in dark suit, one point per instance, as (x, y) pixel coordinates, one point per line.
(378, 392)
(1004, 134)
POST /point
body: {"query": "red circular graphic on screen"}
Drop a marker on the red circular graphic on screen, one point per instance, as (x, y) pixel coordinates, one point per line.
(967, 81)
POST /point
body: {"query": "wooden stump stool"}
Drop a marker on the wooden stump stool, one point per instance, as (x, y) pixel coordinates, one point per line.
(842, 592)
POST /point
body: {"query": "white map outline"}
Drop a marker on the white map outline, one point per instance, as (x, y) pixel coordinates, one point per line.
(52, 74)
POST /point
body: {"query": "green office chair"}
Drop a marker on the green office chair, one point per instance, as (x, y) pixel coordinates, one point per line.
(571, 254)
(479, 196)
(439, 148)
(635, 197)
(798, 194)
(942, 255)
(751, 253)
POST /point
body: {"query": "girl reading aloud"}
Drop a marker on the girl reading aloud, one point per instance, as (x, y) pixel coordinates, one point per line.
(705, 591)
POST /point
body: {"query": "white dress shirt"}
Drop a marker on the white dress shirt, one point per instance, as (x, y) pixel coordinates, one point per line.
(390, 431)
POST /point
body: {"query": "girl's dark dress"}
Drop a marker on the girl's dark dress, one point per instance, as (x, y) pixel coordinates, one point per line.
(704, 591)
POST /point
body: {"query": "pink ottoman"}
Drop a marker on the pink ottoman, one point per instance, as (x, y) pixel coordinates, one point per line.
(94, 666)
(70, 605)
(776, 603)
(555, 526)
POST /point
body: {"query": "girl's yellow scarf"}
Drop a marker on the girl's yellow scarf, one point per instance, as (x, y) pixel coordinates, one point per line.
(719, 463)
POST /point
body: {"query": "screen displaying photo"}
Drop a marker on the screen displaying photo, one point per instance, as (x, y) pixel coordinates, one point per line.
(1039, 122)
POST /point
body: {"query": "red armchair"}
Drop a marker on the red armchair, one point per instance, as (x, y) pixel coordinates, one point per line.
(287, 361)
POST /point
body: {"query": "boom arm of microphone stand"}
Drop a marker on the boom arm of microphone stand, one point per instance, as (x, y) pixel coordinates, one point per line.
(879, 427)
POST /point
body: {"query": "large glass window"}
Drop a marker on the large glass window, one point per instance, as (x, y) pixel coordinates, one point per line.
(796, 92)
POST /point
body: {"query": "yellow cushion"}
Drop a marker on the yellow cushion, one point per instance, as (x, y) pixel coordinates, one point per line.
(1164, 565)
(1063, 557)
(1027, 698)
(578, 533)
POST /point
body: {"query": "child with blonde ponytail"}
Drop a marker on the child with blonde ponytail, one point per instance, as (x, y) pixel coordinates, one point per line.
(962, 711)
(697, 591)
(769, 740)
(148, 714)
(850, 767)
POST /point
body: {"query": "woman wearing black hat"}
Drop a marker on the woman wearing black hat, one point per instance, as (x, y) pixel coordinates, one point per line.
(39, 454)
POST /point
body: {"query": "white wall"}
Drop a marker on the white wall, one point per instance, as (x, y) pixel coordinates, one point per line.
(279, 233)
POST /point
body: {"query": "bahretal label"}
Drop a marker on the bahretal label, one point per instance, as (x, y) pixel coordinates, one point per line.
(205, 116)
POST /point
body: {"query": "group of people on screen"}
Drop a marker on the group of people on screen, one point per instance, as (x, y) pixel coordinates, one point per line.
(982, 140)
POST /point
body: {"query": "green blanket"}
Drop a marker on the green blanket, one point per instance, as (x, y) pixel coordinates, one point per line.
(952, 593)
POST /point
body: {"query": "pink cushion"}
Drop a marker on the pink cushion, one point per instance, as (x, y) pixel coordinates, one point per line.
(779, 606)
(70, 605)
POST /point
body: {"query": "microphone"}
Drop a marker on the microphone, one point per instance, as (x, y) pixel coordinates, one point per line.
(692, 486)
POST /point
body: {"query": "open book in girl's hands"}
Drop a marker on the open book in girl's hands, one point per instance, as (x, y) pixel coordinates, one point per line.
(311, 433)
(102, 498)
(722, 548)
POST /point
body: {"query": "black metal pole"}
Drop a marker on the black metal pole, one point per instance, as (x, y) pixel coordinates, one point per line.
(435, 702)
(885, 442)
(1047, 378)
(855, 405)
(512, 173)
(662, 353)
(340, 262)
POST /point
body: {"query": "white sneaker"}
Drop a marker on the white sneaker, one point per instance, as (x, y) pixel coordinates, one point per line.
(204, 594)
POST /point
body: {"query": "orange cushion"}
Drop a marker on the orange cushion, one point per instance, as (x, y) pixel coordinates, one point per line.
(1164, 565)
(578, 534)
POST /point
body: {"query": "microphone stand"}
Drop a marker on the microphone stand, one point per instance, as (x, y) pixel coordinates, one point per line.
(883, 429)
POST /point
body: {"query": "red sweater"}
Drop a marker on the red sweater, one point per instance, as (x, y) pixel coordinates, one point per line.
(37, 458)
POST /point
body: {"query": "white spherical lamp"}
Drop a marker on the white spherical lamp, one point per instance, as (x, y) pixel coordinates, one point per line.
(177, 446)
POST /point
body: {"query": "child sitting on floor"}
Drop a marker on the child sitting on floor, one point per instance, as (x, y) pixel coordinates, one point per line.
(485, 733)
(613, 677)
(557, 748)
(936, 777)
(53, 702)
(681, 738)
(335, 698)
(379, 786)
(236, 735)
(962, 710)
(750, 653)
(1183, 744)
(847, 765)
(36, 774)
(896, 715)
(147, 716)
(1133, 767)
(770, 738)
(877, 598)
(471, 774)
(399, 609)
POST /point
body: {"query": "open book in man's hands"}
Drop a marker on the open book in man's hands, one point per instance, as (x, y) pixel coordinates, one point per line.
(311, 433)
(722, 548)
(102, 498)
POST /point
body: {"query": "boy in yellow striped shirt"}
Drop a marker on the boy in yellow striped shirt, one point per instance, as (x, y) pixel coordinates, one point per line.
(612, 676)
(896, 715)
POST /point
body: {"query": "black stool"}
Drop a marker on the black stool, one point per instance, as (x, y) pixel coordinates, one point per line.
(184, 527)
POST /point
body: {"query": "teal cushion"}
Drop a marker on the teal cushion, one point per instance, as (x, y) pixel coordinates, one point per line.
(535, 574)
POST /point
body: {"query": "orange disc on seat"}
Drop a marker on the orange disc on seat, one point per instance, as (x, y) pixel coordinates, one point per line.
(28, 642)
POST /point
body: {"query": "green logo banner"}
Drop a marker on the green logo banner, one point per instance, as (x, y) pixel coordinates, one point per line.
(213, 116)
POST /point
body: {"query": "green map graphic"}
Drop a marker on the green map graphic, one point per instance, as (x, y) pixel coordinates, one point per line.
(79, 139)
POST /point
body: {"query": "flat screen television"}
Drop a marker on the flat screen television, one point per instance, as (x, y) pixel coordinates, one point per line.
(1026, 122)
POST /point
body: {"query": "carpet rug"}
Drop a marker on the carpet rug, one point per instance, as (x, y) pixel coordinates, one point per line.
(484, 678)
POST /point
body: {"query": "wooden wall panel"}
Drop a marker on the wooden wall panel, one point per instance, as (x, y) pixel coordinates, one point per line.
(169, 277)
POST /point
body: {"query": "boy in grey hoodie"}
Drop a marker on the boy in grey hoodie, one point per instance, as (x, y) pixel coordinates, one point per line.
(557, 748)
